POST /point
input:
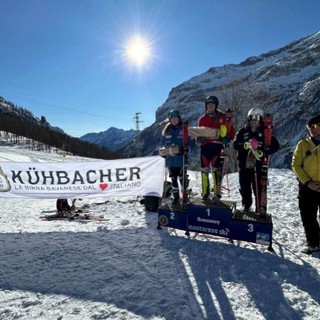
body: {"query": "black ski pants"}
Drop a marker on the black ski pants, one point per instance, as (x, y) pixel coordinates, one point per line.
(176, 173)
(309, 205)
(249, 180)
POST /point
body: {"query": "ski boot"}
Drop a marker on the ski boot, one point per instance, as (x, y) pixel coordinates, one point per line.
(175, 197)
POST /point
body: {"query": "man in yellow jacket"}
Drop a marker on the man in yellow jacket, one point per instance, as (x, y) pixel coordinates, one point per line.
(306, 166)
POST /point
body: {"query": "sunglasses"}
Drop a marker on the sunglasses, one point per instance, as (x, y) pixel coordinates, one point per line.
(314, 126)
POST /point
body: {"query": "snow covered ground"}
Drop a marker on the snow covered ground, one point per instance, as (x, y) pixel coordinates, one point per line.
(124, 268)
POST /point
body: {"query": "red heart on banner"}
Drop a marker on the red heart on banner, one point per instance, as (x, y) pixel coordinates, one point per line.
(103, 186)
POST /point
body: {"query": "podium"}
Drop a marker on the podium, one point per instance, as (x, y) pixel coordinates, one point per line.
(218, 218)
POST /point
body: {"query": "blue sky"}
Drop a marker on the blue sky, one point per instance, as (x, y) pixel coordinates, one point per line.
(64, 59)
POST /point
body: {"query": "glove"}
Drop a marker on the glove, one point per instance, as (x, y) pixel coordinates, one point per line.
(163, 152)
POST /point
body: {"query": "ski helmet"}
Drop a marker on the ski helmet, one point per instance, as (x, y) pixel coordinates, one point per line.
(174, 114)
(212, 99)
(255, 114)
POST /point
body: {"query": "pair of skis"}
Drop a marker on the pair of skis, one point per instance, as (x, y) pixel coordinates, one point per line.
(268, 127)
(185, 179)
(73, 217)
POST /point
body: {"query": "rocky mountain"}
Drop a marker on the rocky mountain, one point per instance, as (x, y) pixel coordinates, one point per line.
(113, 138)
(284, 82)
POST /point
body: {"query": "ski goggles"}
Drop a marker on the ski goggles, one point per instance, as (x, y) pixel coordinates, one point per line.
(314, 126)
(256, 117)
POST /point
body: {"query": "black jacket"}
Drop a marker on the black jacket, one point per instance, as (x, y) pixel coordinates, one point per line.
(245, 134)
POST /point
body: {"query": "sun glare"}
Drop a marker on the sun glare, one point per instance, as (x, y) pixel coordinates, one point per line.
(137, 51)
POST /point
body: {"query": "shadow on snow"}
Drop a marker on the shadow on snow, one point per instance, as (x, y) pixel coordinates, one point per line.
(141, 270)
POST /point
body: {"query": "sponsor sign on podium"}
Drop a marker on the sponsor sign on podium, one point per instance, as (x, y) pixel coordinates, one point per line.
(217, 218)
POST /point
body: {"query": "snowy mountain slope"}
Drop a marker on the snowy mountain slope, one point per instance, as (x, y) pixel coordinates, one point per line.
(124, 268)
(113, 138)
(284, 82)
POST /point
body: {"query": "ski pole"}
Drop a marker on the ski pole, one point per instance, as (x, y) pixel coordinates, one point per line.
(185, 138)
(256, 186)
(225, 172)
(165, 183)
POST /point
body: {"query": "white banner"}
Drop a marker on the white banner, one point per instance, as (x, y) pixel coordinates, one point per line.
(112, 178)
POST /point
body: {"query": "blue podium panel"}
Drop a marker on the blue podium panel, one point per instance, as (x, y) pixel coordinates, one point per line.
(219, 218)
(252, 228)
(210, 217)
(172, 217)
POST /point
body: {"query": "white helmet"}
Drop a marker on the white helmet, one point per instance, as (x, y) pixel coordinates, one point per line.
(255, 114)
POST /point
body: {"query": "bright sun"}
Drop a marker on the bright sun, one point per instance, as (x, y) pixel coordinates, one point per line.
(137, 51)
